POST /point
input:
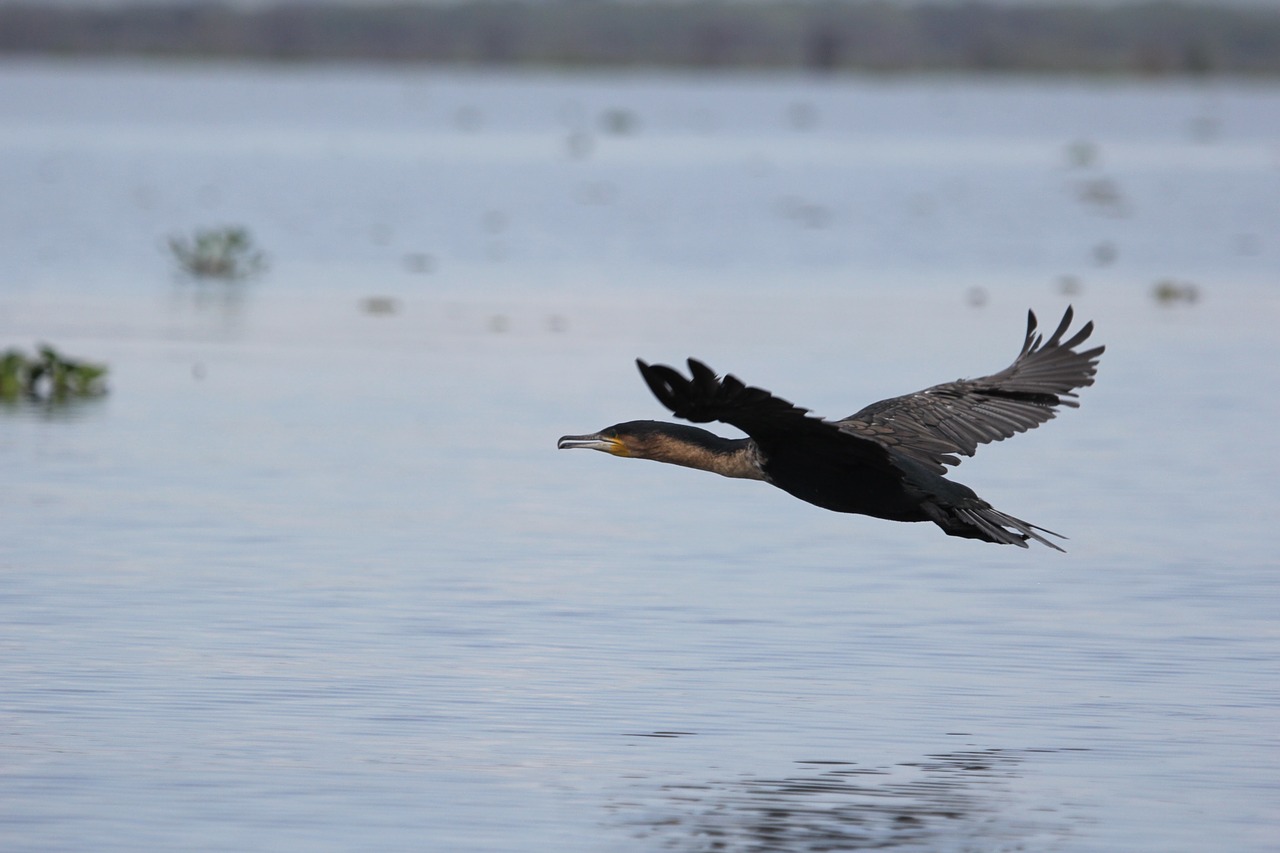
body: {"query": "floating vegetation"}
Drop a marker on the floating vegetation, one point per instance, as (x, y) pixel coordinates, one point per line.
(1082, 154)
(226, 253)
(1070, 285)
(1169, 292)
(619, 122)
(807, 214)
(419, 263)
(48, 376)
(1105, 253)
(380, 305)
(1104, 195)
(580, 145)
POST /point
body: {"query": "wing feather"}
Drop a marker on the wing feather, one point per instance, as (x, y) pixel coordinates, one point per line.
(938, 425)
(770, 421)
(933, 427)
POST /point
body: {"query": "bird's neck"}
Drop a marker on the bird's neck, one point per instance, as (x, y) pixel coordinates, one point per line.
(697, 448)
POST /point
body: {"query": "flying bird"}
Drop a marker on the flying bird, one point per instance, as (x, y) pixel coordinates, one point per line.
(887, 460)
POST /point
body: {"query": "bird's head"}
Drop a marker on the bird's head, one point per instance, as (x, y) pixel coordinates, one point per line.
(636, 439)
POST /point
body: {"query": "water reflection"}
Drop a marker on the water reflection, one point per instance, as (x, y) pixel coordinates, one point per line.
(65, 409)
(955, 800)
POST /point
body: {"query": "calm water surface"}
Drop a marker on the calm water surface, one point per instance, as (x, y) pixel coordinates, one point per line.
(313, 577)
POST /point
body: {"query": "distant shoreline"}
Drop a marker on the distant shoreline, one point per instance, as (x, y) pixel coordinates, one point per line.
(1151, 39)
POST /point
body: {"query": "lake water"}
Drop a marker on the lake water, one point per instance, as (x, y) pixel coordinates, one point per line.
(313, 576)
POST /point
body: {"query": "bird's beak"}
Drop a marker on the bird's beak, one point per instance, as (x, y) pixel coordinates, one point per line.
(595, 441)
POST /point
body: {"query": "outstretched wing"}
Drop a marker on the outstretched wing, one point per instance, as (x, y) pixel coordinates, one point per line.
(771, 421)
(934, 425)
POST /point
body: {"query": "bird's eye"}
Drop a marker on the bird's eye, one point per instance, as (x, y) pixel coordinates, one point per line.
(610, 433)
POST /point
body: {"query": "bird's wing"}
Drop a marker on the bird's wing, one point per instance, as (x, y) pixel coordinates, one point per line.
(934, 425)
(770, 421)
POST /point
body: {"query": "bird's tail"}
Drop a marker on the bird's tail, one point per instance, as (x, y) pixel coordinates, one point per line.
(977, 519)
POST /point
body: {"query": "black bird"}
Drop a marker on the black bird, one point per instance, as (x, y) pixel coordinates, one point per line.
(887, 460)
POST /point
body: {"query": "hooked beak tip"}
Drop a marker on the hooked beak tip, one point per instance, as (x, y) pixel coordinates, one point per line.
(589, 442)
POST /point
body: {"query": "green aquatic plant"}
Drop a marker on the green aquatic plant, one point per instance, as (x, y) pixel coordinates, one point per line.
(227, 253)
(48, 375)
(1169, 292)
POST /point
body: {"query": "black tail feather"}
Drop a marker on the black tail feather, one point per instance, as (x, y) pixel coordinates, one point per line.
(985, 522)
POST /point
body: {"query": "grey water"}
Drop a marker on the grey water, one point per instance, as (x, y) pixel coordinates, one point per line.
(313, 576)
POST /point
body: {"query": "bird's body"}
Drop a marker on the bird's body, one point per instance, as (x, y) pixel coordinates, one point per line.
(888, 459)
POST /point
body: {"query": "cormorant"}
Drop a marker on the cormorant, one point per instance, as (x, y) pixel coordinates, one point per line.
(887, 460)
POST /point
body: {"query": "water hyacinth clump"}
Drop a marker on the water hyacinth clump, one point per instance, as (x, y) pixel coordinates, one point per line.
(225, 253)
(48, 376)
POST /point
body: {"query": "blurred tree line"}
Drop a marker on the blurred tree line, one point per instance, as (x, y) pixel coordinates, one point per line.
(820, 35)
